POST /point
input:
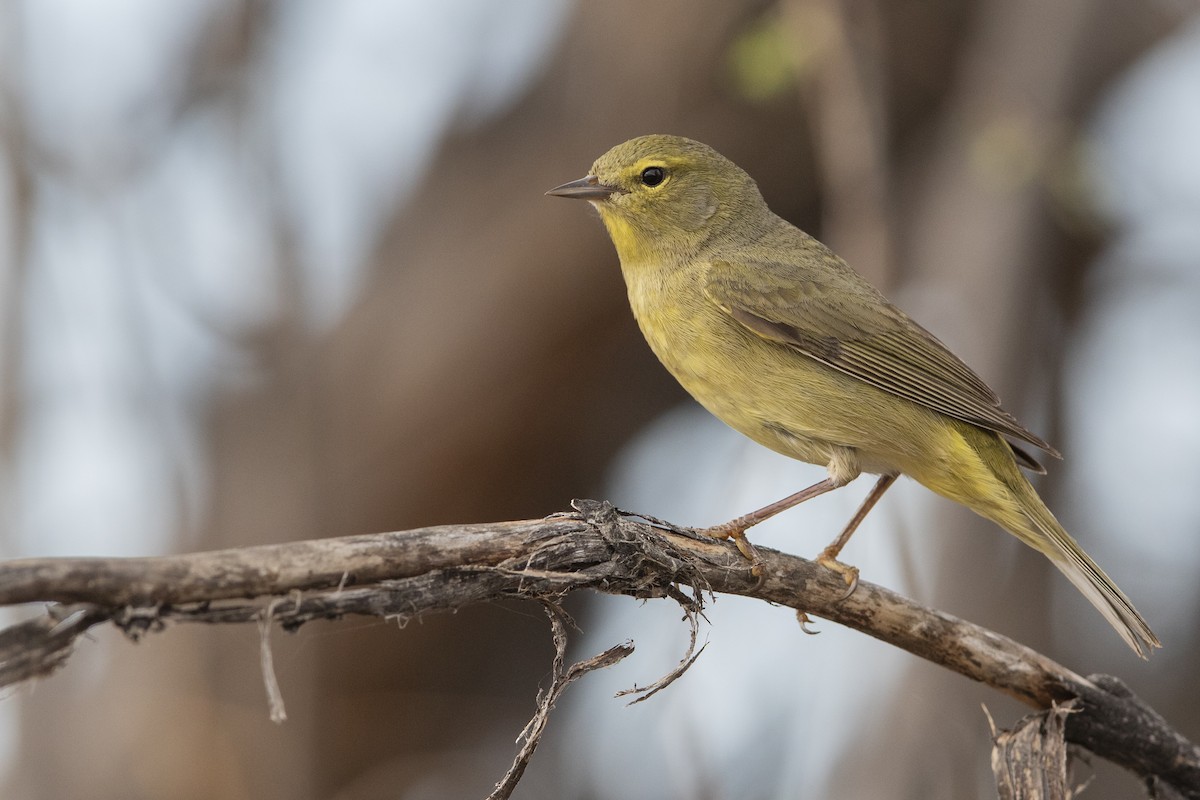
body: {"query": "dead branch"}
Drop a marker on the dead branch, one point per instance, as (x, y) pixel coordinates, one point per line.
(1030, 761)
(407, 573)
(563, 677)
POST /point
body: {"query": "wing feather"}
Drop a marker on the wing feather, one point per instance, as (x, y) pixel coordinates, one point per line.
(855, 330)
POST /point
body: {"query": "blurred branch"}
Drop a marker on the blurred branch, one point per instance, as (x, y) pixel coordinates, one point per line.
(849, 121)
(409, 573)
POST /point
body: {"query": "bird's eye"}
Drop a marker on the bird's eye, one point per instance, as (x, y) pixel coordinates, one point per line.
(653, 176)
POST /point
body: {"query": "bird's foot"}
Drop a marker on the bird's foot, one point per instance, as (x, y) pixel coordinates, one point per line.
(849, 574)
(738, 535)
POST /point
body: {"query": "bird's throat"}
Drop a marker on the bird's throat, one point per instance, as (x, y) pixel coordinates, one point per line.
(628, 239)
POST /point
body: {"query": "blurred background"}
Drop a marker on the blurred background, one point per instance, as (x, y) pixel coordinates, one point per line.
(283, 270)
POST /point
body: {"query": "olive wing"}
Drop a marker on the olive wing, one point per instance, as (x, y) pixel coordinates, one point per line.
(848, 326)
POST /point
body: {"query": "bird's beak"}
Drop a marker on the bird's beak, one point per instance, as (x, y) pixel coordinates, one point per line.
(587, 188)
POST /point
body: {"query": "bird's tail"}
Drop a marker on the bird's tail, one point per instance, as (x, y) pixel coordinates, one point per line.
(1040, 530)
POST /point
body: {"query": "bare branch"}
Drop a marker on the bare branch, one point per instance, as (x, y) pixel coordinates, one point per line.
(414, 572)
(563, 677)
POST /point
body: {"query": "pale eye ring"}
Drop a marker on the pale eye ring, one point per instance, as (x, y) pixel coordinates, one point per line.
(653, 176)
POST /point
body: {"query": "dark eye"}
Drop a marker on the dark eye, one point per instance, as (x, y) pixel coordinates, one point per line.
(653, 176)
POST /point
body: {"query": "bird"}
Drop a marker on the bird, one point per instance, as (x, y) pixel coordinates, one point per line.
(774, 334)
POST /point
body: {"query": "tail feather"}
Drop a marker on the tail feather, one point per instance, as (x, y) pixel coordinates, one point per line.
(1063, 551)
(1016, 507)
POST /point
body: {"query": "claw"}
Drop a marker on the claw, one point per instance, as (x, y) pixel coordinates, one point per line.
(849, 574)
(804, 620)
(851, 583)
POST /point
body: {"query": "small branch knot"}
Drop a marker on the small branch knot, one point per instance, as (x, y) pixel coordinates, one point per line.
(600, 513)
(136, 621)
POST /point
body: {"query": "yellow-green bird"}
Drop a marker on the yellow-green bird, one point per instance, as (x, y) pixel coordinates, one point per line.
(770, 331)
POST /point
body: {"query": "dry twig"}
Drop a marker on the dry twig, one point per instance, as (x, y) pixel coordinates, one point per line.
(563, 677)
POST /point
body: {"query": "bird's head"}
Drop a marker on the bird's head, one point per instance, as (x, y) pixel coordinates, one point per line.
(664, 196)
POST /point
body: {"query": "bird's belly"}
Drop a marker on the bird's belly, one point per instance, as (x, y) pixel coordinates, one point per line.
(739, 378)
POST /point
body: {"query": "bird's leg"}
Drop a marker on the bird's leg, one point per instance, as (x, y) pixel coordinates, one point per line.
(828, 557)
(736, 528)
(731, 529)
